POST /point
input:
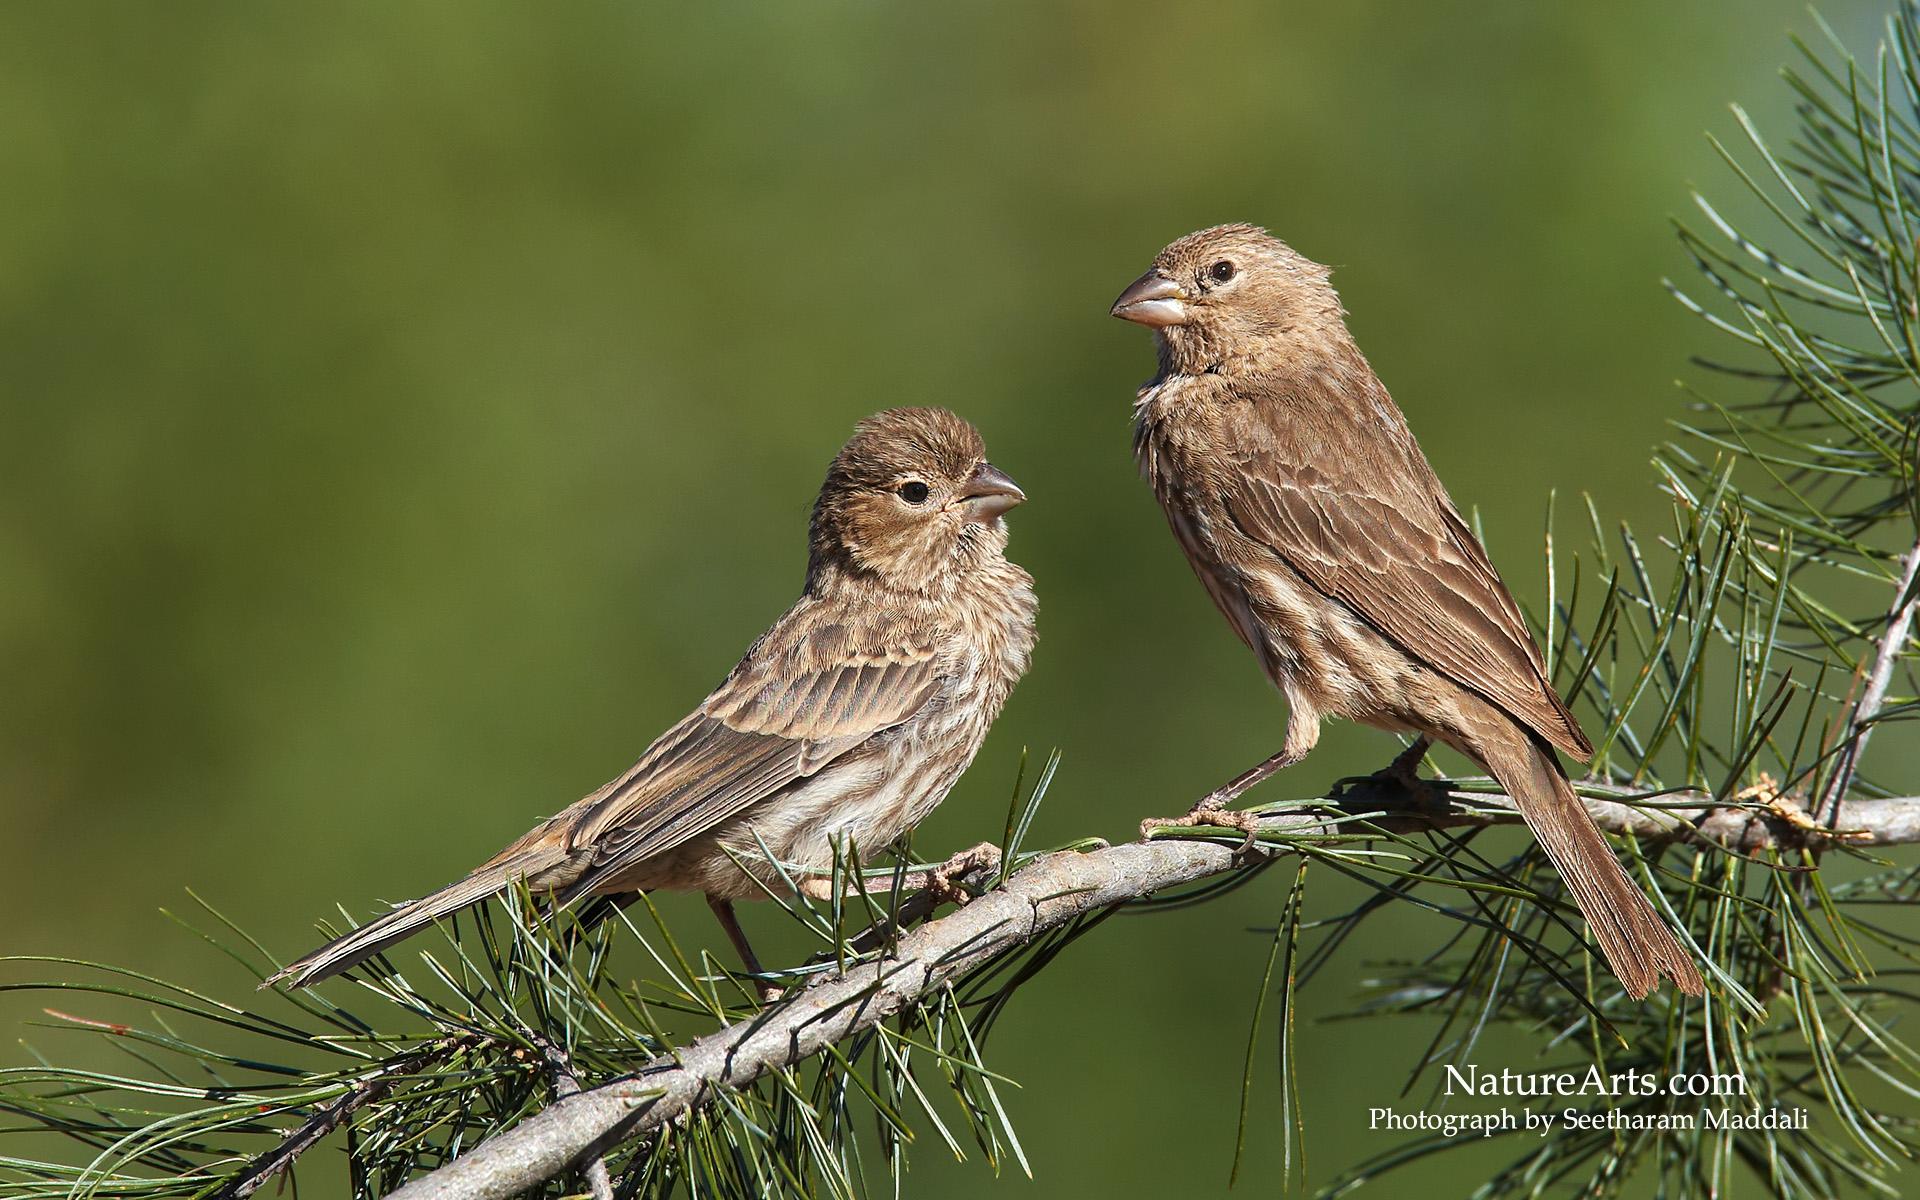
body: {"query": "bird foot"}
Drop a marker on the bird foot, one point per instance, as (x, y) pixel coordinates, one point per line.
(820, 889)
(943, 882)
(1210, 811)
(1396, 786)
(1405, 767)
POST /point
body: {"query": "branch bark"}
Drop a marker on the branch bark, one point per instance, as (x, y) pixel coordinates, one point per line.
(565, 1084)
(1043, 895)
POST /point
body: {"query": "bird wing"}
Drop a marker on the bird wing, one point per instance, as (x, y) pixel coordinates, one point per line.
(815, 687)
(1379, 534)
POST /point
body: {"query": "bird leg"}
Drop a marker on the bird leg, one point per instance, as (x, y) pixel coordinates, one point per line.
(1213, 810)
(723, 912)
(1303, 732)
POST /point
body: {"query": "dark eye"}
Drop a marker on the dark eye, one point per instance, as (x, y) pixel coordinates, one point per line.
(913, 492)
(1221, 271)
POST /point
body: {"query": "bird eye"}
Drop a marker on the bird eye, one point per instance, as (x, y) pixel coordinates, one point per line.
(913, 492)
(1221, 271)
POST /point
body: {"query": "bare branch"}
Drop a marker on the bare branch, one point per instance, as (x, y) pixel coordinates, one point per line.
(1044, 895)
(1887, 653)
(370, 1090)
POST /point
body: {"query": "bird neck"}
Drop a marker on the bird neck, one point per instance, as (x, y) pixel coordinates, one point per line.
(838, 577)
(1310, 341)
(979, 569)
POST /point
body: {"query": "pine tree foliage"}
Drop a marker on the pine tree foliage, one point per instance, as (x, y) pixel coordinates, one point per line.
(1734, 667)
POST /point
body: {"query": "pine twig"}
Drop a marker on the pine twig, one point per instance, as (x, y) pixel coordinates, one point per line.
(312, 1131)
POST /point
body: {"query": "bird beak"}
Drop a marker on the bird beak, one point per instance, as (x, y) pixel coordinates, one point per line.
(988, 493)
(1152, 300)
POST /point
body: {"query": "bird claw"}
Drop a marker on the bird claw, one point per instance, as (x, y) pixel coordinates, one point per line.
(943, 881)
(818, 888)
(1209, 811)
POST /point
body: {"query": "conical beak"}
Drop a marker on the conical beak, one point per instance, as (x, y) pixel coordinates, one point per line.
(988, 493)
(1152, 300)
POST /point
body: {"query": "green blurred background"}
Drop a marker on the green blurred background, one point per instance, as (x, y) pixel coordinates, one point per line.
(411, 410)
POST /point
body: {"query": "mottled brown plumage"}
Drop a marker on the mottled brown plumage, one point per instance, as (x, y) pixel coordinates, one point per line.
(846, 722)
(1307, 509)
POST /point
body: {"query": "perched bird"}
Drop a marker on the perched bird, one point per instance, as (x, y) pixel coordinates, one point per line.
(1303, 503)
(846, 722)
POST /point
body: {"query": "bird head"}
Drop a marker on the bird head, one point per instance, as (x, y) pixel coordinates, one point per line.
(1226, 294)
(912, 500)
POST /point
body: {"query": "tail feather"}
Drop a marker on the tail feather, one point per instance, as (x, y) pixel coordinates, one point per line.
(353, 948)
(1637, 943)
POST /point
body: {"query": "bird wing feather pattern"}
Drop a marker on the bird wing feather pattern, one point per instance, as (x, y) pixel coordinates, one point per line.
(807, 693)
(1395, 550)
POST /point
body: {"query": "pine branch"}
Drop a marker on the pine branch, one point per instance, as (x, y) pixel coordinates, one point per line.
(1047, 894)
(370, 1090)
(1888, 652)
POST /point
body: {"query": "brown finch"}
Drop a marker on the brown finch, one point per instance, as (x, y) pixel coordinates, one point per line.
(844, 725)
(1303, 503)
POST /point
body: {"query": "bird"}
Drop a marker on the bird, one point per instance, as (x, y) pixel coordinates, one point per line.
(1298, 493)
(843, 726)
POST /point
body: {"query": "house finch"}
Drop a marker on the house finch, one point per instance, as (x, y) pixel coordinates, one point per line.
(1303, 503)
(846, 722)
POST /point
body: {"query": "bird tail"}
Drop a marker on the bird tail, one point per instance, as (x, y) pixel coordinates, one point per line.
(376, 935)
(1637, 943)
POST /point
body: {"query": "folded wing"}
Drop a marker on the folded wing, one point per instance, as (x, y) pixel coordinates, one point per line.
(1397, 553)
(811, 691)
